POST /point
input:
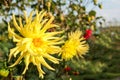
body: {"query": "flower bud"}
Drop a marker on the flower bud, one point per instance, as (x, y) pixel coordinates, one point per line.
(4, 72)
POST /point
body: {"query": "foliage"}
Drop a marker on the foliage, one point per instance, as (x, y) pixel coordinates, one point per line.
(69, 15)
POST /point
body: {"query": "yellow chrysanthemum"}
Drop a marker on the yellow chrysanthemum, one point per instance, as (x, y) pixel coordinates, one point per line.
(74, 46)
(34, 42)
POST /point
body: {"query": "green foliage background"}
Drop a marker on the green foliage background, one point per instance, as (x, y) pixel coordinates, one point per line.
(102, 61)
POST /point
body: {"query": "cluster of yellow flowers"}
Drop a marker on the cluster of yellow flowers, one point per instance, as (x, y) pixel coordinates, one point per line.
(35, 43)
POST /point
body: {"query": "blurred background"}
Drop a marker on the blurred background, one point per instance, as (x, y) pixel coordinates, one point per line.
(102, 17)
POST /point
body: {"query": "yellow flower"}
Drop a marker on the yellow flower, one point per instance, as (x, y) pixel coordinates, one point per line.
(74, 46)
(34, 43)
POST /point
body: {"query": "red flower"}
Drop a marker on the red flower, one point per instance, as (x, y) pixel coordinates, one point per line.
(67, 68)
(88, 34)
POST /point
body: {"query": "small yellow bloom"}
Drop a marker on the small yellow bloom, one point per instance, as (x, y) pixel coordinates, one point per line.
(34, 43)
(74, 46)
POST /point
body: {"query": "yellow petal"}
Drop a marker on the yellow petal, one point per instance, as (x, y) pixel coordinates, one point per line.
(25, 15)
(41, 15)
(15, 24)
(41, 72)
(51, 58)
(27, 61)
(43, 62)
(47, 25)
(18, 60)
(53, 49)
(12, 51)
(12, 33)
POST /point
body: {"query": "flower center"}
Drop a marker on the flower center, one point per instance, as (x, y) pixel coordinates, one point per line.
(37, 42)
